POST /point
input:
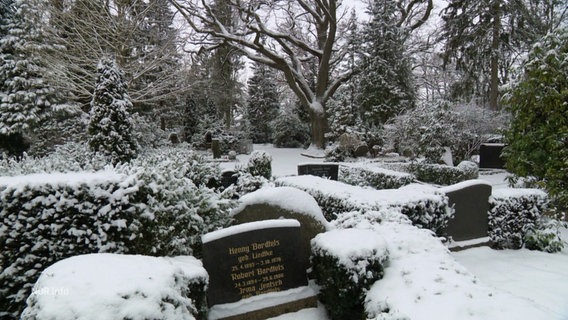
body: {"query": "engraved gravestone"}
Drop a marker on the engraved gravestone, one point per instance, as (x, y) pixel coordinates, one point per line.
(327, 170)
(253, 259)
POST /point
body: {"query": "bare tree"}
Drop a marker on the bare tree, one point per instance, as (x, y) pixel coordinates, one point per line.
(287, 35)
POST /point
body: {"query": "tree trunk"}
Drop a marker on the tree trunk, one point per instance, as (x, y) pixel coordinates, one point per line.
(319, 128)
(494, 81)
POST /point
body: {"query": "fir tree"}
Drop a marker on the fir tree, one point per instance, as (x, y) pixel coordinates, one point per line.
(110, 126)
(386, 88)
(25, 96)
(263, 103)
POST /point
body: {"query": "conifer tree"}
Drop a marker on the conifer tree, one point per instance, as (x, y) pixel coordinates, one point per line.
(263, 103)
(110, 126)
(25, 96)
(386, 88)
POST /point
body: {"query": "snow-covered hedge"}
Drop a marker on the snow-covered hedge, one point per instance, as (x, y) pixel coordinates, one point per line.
(513, 213)
(373, 176)
(260, 164)
(425, 206)
(147, 207)
(345, 263)
(437, 173)
(117, 287)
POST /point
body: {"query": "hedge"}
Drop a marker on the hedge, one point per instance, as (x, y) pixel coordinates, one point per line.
(373, 176)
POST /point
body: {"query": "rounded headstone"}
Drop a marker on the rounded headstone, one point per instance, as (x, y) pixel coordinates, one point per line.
(283, 203)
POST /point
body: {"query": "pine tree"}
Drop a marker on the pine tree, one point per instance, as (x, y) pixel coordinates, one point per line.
(110, 126)
(386, 88)
(25, 96)
(263, 103)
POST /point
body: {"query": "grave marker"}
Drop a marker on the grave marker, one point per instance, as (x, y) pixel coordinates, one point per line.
(490, 156)
(327, 170)
(253, 259)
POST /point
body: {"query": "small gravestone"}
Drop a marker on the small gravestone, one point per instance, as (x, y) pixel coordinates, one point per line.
(490, 156)
(216, 148)
(256, 259)
(470, 200)
(361, 150)
(324, 170)
(229, 178)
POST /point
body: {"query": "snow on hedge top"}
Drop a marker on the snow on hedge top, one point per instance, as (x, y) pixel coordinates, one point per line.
(517, 193)
(249, 226)
(110, 286)
(376, 169)
(71, 179)
(464, 184)
(364, 196)
(284, 197)
(349, 245)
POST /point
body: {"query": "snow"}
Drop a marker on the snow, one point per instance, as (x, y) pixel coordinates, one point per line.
(268, 300)
(464, 184)
(517, 193)
(249, 226)
(423, 280)
(69, 179)
(284, 197)
(110, 286)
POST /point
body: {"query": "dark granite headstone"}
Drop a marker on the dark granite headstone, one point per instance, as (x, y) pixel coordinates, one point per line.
(252, 259)
(471, 203)
(216, 148)
(229, 178)
(327, 170)
(490, 156)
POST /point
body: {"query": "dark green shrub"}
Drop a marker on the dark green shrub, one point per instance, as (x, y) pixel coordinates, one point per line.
(260, 164)
(345, 269)
(289, 132)
(378, 178)
(512, 214)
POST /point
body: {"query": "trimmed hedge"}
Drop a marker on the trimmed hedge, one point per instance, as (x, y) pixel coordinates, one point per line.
(437, 173)
(345, 263)
(426, 207)
(151, 210)
(378, 178)
(513, 214)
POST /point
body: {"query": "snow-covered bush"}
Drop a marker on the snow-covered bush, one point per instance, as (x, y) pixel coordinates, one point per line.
(247, 183)
(260, 164)
(372, 176)
(289, 132)
(546, 237)
(117, 287)
(110, 126)
(470, 170)
(425, 206)
(150, 206)
(513, 213)
(65, 215)
(345, 263)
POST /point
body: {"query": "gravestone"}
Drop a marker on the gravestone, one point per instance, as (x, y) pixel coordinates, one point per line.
(470, 200)
(216, 148)
(254, 260)
(324, 170)
(490, 156)
(229, 178)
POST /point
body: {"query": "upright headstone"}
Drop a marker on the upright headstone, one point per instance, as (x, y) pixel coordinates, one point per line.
(252, 260)
(229, 178)
(216, 148)
(490, 156)
(324, 170)
(470, 200)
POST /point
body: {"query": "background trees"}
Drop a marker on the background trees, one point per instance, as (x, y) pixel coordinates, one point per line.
(263, 103)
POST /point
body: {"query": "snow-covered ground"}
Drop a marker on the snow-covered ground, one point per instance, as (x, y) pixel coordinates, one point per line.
(540, 279)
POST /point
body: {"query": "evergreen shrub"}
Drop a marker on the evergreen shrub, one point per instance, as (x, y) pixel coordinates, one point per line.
(345, 274)
(289, 132)
(513, 214)
(427, 208)
(150, 206)
(260, 164)
(378, 178)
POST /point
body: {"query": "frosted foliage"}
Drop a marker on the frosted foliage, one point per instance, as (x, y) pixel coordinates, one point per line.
(25, 97)
(110, 127)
